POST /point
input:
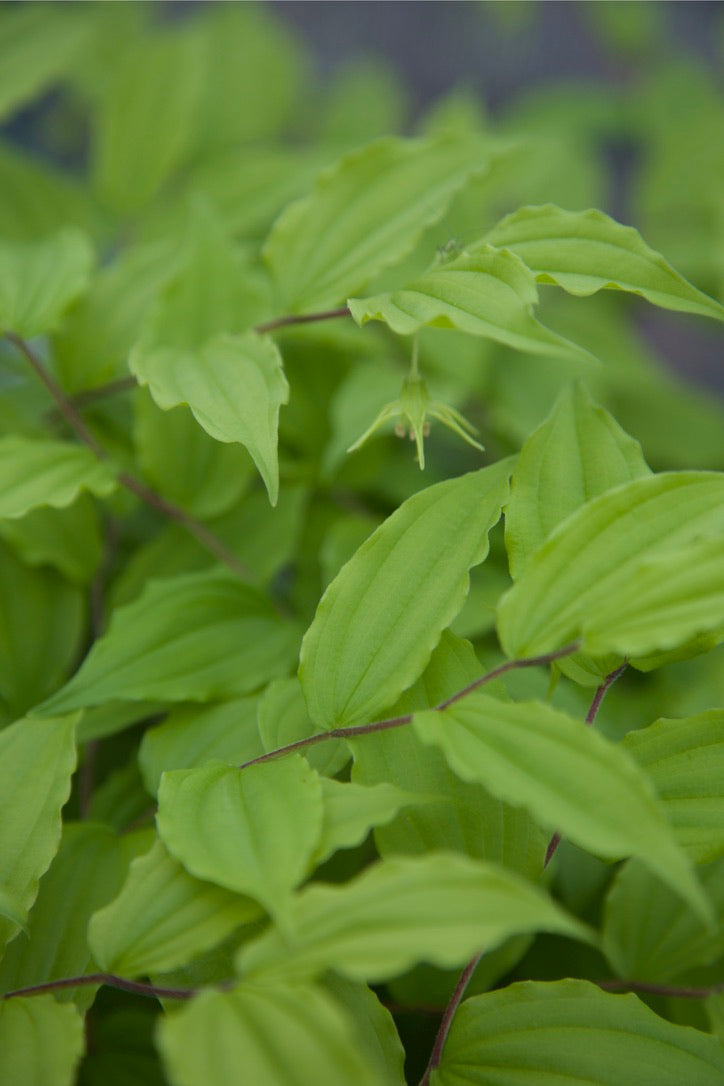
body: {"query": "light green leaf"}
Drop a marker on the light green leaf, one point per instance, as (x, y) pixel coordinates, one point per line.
(163, 918)
(141, 132)
(649, 933)
(488, 293)
(440, 908)
(42, 625)
(253, 830)
(685, 760)
(198, 637)
(86, 872)
(38, 44)
(351, 810)
(579, 452)
(365, 213)
(283, 718)
(40, 279)
(569, 777)
(67, 539)
(382, 616)
(37, 759)
(374, 1027)
(35, 473)
(570, 1031)
(182, 462)
(465, 817)
(272, 1034)
(41, 1041)
(38, 198)
(191, 736)
(234, 386)
(587, 565)
(586, 251)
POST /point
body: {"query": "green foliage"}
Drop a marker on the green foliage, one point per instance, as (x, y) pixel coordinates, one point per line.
(281, 716)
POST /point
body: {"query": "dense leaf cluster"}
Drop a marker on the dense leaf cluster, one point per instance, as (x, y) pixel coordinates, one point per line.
(292, 735)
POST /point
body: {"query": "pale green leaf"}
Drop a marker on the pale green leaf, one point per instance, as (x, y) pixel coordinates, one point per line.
(351, 810)
(41, 1041)
(85, 874)
(163, 918)
(685, 760)
(365, 213)
(569, 777)
(275, 1034)
(67, 539)
(587, 564)
(37, 759)
(579, 452)
(283, 718)
(199, 637)
(382, 616)
(488, 293)
(35, 473)
(141, 131)
(40, 279)
(253, 830)
(586, 251)
(569, 1031)
(439, 908)
(465, 817)
(649, 933)
(191, 736)
(38, 45)
(234, 386)
(374, 1027)
(38, 199)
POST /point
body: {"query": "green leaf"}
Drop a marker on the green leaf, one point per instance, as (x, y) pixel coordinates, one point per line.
(283, 718)
(579, 452)
(275, 1034)
(234, 386)
(589, 563)
(37, 759)
(351, 810)
(86, 872)
(487, 293)
(141, 132)
(586, 251)
(38, 44)
(40, 279)
(440, 908)
(365, 213)
(42, 625)
(253, 830)
(374, 1027)
(41, 1041)
(569, 777)
(191, 736)
(570, 1031)
(382, 616)
(163, 918)
(685, 760)
(35, 473)
(67, 539)
(649, 933)
(198, 637)
(465, 817)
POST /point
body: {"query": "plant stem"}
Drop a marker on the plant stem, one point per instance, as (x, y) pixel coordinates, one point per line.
(68, 409)
(447, 1018)
(301, 318)
(590, 718)
(111, 981)
(399, 721)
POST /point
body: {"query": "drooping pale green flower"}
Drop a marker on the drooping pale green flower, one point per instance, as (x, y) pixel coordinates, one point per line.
(412, 410)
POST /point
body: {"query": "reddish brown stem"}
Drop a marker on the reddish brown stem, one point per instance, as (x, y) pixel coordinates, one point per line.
(447, 1018)
(111, 981)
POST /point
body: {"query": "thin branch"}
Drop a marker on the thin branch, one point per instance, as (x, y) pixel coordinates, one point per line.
(591, 715)
(205, 537)
(110, 980)
(659, 989)
(399, 721)
(447, 1018)
(303, 318)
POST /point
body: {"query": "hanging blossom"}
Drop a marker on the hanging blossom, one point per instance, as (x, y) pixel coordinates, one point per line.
(412, 410)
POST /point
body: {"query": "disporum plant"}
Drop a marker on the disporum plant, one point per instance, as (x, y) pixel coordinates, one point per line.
(307, 775)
